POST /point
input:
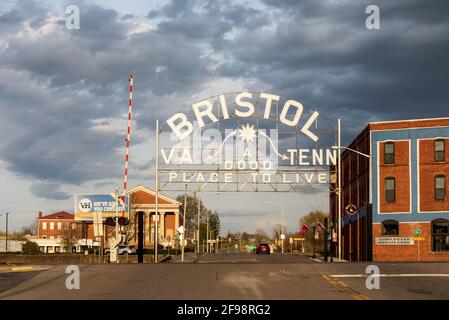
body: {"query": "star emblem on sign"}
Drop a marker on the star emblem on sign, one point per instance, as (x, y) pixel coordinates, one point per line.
(247, 133)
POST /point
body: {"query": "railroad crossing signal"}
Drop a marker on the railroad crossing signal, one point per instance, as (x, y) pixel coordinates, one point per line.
(110, 222)
(123, 221)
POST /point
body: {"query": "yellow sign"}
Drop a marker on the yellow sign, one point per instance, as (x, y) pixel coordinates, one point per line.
(298, 239)
(418, 238)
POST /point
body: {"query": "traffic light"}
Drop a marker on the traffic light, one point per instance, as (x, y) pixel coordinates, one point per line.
(123, 221)
(110, 221)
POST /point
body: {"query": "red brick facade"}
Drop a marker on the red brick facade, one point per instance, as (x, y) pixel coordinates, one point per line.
(428, 170)
(400, 171)
(415, 252)
(54, 226)
(415, 204)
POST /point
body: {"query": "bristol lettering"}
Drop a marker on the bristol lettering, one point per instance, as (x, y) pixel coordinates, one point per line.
(252, 141)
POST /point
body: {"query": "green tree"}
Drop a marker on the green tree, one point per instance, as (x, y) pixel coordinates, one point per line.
(30, 247)
(313, 218)
(192, 217)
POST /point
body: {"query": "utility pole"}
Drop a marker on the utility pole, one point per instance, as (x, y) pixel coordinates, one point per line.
(339, 188)
(183, 236)
(282, 229)
(314, 240)
(6, 236)
(326, 232)
(156, 236)
(207, 232)
(198, 223)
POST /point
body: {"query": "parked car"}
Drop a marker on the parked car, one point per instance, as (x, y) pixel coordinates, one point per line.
(122, 249)
(263, 247)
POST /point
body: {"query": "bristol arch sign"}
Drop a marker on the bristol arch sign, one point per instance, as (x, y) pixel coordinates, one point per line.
(247, 142)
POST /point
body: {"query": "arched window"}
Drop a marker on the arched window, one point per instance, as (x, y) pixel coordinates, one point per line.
(390, 189)
(388, 153)
(440, 235)
(439, 150)
(390, 227)
(440, 187)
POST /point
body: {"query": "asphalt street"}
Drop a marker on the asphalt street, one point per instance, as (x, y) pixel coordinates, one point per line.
(234, 276)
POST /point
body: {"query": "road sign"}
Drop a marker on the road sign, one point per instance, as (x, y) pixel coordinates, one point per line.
(282, 236)
(351, 209)
(181, 229)
(290, 240)
(417, 232)
(418, 238)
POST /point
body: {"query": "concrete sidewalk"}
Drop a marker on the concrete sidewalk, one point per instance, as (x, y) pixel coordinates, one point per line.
(26, 268)
(189, 257)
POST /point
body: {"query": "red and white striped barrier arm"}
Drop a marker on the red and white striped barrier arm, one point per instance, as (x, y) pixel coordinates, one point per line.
(128, 137)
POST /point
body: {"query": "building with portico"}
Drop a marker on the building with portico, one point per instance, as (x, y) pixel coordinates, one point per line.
(143, 200)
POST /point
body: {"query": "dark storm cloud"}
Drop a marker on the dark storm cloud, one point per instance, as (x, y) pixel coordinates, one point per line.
(58, 88)
(321, 53)
(62, 92)
(49, 191)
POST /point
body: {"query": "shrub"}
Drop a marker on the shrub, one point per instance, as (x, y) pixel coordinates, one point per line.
(30, 247)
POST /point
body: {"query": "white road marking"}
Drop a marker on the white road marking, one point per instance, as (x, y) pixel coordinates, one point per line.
(390, 275)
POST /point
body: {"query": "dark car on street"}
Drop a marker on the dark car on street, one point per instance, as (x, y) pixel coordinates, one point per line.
(263, 247)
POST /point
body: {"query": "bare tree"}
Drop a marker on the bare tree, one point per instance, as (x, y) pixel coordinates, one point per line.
(261, 235)
(70, 235)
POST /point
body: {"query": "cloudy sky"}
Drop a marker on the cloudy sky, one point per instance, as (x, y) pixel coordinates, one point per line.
(63, 93)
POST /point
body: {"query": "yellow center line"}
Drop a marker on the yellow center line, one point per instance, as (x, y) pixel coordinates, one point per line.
(344, 287)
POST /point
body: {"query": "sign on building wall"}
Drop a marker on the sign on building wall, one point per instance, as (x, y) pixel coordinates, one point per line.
(394, 241)
(86, 205)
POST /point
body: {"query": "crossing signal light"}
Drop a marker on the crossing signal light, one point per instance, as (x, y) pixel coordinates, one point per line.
(110, 221)
(123, 221)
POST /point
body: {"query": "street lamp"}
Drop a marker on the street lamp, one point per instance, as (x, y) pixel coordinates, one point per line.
(282, 223)
(352, 150)
(339, 147)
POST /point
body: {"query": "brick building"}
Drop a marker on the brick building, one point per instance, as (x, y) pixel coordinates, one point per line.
(52, 228)
(400, 192)
(144, 199)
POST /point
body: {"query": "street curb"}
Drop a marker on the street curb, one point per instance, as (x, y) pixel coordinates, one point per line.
(11, 269)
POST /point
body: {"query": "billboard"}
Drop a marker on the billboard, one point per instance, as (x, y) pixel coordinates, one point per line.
(86, 205)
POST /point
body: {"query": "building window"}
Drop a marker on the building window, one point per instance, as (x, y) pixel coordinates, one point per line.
(390, 227)
(52, 225)
(440, 235)
(44, 225)
(389, 153)
(439, 150)
(59, 226)
(52, 237)
(390, 190)
(440, 183)
(73, 226)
